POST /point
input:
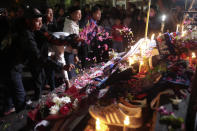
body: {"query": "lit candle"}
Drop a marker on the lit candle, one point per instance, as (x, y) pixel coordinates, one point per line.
(131, 61)
(126, 122)
(98, 124)
(101, 126)
(177, 28)
(193, 55)
(163, 22)
(141, 64)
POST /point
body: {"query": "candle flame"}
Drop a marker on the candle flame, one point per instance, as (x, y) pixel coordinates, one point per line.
(135, 57)
(126, 121)
(193, 55)
(131, 61)
(141, 62)
(163, 17)
(98, 124)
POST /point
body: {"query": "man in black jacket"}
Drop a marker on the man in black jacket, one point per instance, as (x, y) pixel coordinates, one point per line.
(27, 49)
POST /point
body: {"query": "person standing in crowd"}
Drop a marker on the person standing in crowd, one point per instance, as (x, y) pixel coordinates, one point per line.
(27, 50)
(49, 25)
(18, 21)
(60, 18)
(71, 26)
(140, 25)
(49, 22)
(106, 21)
(94, 17)
(117, 38)
(154, 21)
(86, 11)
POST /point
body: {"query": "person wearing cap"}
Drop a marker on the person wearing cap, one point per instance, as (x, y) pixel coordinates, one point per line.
(28, 50)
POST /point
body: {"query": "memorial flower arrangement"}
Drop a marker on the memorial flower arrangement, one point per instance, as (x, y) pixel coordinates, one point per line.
(62, 102)
(56, 105)
(92, 31)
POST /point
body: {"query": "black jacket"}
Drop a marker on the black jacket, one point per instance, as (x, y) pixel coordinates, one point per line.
(31, 49)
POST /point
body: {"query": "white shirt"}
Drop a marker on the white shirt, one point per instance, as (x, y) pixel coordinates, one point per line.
(71, 27)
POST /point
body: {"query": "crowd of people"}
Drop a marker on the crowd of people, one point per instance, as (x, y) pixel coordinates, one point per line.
(28, 41)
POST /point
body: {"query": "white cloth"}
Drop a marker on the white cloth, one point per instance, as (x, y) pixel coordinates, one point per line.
(59, 34)
(71, 27)
(59, 52)
(42, 123)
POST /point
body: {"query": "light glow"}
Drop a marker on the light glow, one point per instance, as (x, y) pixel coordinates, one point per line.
(126, 121)
(131, 61)
(163, 18)
(98, 124)
(193, 55)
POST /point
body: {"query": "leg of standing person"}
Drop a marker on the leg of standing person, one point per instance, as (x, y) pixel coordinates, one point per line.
(17, 89)
(120, 46)
(7, 105)
(115, 46)
(38, 82)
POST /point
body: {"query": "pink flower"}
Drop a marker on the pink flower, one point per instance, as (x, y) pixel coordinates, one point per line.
(106, 47)
(100, 38)
(99, 46)
(94, 58)
(64, 110)
(107, 34)
(87, 59)
(88, 42)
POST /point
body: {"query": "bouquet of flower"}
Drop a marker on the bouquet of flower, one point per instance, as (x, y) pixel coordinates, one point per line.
(91, 31)
(61, 103)
(57, 105)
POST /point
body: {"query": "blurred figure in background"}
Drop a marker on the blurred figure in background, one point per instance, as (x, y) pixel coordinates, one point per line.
(60, 18)
(154, 20)
(49, 22)
(116, 36)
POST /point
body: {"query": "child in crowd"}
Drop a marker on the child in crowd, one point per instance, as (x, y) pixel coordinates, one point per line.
(116, 35)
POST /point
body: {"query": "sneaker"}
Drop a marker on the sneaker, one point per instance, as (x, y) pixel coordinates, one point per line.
(116, 114)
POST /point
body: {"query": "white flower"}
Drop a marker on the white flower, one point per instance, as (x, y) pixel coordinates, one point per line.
(65, 100)
(53, 95)
(54, 109)
(75, 103)
(56, 100)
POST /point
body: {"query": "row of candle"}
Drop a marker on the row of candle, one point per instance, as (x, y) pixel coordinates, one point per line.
(102, 127)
